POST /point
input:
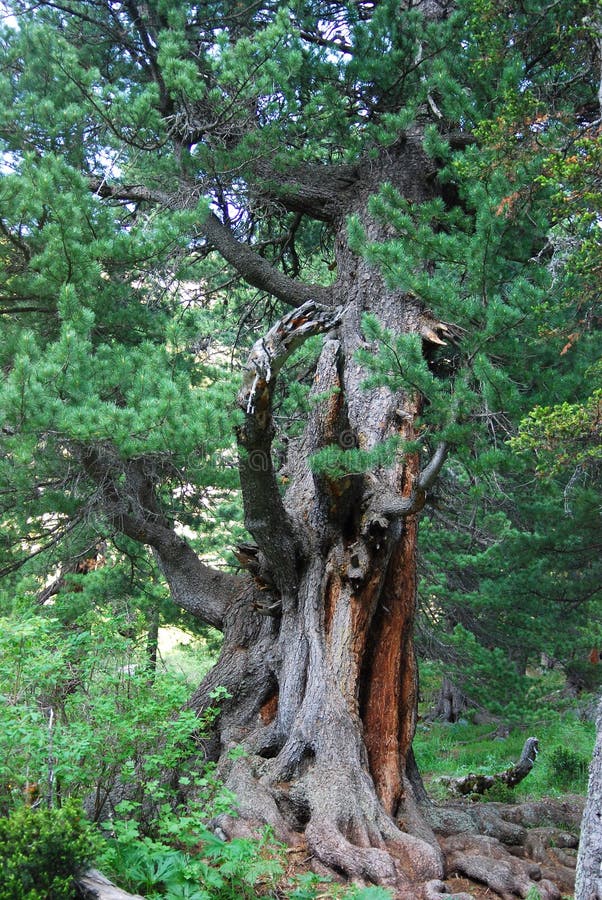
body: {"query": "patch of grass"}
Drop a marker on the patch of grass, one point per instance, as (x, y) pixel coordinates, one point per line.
(568, 769)
(462, 748)
(188, 656)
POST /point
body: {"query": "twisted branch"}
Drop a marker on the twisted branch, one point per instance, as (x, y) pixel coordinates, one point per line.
(265, 515)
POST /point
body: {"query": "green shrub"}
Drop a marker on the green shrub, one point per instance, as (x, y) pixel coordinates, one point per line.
(41, 851)
(184, 860)
(499, 793)
(568, 769)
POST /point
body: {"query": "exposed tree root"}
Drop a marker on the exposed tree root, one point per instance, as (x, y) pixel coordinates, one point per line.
(337, 817)
(486, 860)
(334, 815)
(502, 847)
(257, 806)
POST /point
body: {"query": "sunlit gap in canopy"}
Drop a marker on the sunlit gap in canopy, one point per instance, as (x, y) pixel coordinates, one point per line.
(7, 18)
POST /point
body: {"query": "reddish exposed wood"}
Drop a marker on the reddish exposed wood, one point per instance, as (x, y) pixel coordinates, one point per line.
(362, 606)
(269, 709)
(389, 692)
(331, 598)
(409, 680)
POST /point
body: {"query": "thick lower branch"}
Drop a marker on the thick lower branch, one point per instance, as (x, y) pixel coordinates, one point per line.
(202, 591)
(130, 503)
(252, 267)
(320, 191)
(257, 271)
(199, 589)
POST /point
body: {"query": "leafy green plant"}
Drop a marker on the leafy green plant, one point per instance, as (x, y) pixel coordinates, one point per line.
(368, 893)
(309, 886)
(568, 769)
(499, 793)
(83, 712)
(41, 851)
(187, 861)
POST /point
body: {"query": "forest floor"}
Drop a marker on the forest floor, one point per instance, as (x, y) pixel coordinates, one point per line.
(457, 885)
(565, 732)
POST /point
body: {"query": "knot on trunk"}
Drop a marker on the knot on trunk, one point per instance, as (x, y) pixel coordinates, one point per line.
(358, 564)
(266, 598)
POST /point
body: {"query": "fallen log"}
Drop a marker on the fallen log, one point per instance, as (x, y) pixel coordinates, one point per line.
(479, 784)
(93, 885)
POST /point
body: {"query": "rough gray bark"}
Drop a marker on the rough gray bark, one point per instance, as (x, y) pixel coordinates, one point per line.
(589, 865)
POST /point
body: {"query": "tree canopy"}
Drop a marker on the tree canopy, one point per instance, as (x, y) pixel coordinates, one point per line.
(286, 280)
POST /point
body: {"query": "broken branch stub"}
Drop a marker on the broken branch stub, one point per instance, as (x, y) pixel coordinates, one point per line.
(265, 515)
(271, 351)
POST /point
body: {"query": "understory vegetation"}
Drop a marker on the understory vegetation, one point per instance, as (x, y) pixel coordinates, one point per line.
(563, 726)
(116, 727)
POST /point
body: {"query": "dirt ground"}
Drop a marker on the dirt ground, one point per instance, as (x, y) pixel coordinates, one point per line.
(457, 885)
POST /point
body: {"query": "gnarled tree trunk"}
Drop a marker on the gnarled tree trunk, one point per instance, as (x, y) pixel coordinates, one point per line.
(324, 687)
(318, 654)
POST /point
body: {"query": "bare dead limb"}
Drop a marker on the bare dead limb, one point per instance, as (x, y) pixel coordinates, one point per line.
(265, 515)
(479, 784)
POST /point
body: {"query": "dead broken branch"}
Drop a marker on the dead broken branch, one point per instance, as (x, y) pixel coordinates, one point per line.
(92, 885)
(479, 784)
